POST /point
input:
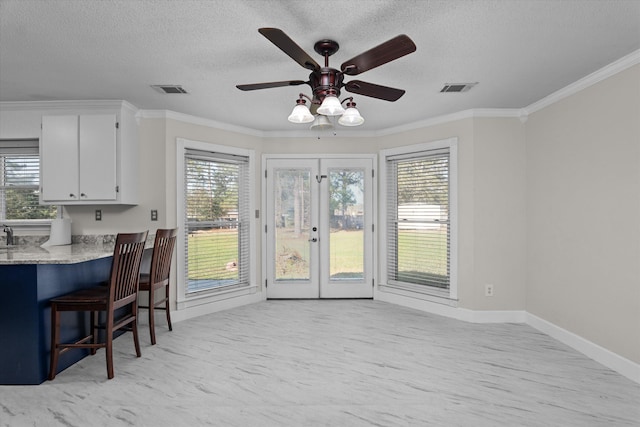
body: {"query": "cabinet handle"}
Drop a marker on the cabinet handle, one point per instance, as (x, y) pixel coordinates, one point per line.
(72, 195)
(83, 195)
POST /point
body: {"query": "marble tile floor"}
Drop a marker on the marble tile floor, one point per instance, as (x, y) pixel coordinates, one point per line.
(331, 363)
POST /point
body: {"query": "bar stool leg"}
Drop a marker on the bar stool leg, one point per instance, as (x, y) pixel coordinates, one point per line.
(152, 317)
(55, 332)
(94, 330)
(166, 302)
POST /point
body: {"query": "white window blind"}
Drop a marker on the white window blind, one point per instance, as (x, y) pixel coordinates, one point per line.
(418, 227)
(20, 182)
(217, 220)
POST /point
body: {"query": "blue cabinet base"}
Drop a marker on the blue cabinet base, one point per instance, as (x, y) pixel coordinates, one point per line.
(25, 316)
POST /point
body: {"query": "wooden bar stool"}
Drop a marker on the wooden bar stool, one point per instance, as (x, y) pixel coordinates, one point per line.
(158, 277)
(121, 291)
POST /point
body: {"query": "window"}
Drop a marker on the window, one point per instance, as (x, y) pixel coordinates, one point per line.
(20, 182)
(419, 214)
(216, 215)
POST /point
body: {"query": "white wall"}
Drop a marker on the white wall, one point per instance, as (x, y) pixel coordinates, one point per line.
(499, 223)
(583, 207)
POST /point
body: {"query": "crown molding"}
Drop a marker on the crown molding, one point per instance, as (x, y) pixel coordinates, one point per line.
(335, 133)
(67, 105)
(328, 133)
(194, 120)
(605, 72)
(448, 118)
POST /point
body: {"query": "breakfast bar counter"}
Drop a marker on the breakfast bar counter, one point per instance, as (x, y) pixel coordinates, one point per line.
(67, 254)
(29, 277)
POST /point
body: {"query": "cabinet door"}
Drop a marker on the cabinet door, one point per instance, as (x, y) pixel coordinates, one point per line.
(59, 158)
(98, 157)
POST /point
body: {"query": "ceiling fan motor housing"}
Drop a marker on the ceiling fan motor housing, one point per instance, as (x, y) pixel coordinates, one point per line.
(326, 81)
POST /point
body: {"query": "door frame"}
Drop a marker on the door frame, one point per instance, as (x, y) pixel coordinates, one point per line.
(374, 203)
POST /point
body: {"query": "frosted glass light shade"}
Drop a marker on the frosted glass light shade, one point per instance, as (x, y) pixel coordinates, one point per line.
(331, 106)
(301, 114)
(321, 122)
(351, 117)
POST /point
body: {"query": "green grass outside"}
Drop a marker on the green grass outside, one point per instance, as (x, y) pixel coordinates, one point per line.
(413, 257)
(346, 251)
(210, 253)
(346, 254)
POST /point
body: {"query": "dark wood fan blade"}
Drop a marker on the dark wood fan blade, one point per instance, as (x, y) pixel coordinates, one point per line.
(386, 52)
(255, 86)
(288, 46)
(373, 90)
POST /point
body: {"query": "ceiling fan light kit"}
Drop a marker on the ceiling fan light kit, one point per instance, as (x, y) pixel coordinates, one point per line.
(301, 113)
(321, 122)
(326, 82)
(351, 116)
(330, 106)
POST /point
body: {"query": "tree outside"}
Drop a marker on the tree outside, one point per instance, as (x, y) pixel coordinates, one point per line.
(345, 186)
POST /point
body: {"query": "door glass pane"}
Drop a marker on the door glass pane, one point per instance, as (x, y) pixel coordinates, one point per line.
(346, 220)
(292, 221)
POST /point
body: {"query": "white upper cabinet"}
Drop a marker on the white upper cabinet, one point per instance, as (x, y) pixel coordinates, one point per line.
(89, 159)
(98, 142)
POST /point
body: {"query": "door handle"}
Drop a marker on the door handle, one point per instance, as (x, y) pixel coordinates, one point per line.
(315, 239)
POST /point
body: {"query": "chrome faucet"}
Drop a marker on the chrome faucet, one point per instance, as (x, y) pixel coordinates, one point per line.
(9, 232)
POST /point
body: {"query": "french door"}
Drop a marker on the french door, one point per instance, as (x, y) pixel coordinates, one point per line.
(319, 227)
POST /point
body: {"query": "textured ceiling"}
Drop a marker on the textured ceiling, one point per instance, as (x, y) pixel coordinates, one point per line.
(518, 50)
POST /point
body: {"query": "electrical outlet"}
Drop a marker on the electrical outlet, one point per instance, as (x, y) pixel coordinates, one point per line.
(154, 215)
(98, 215)
(488, 290)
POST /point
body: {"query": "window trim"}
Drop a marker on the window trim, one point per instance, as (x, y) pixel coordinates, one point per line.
(185, 300)
(420, 291)
(26, 146)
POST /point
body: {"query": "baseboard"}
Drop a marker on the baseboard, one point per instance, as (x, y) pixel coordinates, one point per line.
(473, 316)
(600, 354)
(418, 304)
(495, 316)
(215, 306)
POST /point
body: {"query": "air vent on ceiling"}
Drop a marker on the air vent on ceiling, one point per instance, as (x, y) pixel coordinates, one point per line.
(169, 89)
(457, 87)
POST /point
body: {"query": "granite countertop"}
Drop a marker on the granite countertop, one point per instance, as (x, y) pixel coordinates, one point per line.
(67, 254)
(82, 248)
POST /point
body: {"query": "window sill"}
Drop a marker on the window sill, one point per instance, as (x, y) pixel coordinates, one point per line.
(29, 225)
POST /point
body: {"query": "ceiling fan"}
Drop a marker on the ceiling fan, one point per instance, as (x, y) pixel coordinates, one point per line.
(326, 82)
